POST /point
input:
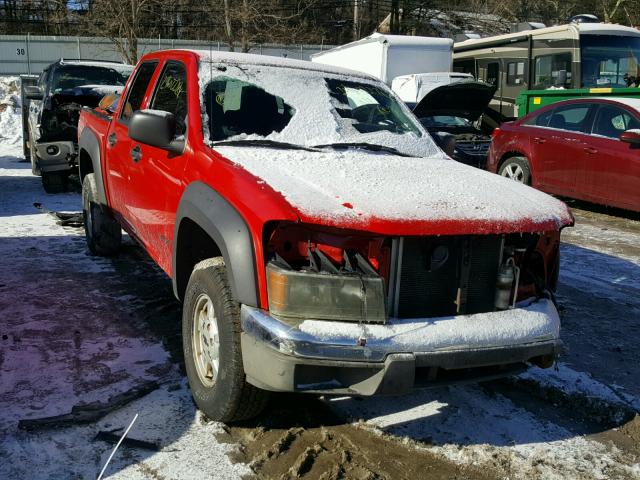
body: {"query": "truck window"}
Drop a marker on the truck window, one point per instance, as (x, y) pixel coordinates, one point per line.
(552, 71)
(515, 73)
(138, 89)
(171, 94)
(611, 121)
(235, 107)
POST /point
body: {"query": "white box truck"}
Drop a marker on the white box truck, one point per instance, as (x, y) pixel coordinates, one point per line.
(389, 56)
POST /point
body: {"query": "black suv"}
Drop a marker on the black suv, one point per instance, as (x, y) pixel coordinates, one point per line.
(51, 108)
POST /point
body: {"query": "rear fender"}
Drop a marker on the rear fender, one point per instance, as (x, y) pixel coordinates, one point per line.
(90, 161)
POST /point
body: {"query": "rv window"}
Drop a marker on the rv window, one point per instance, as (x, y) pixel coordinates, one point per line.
(493, 71)
(553, 71)
(515, 73)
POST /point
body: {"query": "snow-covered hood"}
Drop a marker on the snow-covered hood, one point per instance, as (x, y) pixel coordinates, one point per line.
(398, 195)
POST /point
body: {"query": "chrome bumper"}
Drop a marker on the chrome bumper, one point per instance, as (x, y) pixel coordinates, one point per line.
(351, 358)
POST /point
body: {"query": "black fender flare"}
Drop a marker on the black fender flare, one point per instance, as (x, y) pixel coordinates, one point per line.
(223, 223)
(88, 142)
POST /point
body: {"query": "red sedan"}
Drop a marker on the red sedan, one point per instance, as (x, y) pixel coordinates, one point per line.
(587, 148)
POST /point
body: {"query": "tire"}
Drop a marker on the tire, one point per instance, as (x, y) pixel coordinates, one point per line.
(55, 182)
(516, 168)
(102, 231)
(35, 165)
(216, 375)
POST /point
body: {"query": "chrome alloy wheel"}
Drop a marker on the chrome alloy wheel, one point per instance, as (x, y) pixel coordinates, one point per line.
(205, 340)
(514, 172)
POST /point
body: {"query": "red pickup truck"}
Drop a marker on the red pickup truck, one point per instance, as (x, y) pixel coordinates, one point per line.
(318, 238)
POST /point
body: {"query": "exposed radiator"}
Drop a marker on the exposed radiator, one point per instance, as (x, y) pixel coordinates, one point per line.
(448, 275)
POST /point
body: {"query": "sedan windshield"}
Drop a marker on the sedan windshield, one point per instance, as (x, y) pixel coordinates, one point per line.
(72, 76)
(609, 61)
(306, 108)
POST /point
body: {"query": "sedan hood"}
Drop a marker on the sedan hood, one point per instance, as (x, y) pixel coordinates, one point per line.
(396, 195)
(463, 99)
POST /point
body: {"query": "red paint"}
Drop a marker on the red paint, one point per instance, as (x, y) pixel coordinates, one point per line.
(145, 195)
(574, 164)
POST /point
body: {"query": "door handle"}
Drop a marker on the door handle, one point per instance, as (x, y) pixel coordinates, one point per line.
(136, 154)
(112, 139)
(539, 140)
(590, 150)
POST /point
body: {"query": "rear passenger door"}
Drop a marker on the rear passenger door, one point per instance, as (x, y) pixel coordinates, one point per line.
(559, 148)
(119, 166)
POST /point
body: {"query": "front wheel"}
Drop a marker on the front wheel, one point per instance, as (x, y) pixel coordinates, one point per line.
(211, 343)
(516, 168)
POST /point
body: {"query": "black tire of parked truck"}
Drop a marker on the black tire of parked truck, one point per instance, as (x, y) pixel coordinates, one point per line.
(55, 182)
(35, 164)
(211, 344)
(102, 231)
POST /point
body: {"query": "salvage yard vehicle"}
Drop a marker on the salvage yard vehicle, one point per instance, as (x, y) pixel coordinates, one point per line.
(587, 148)
(319, 240)
(51, 108)
(450, 113)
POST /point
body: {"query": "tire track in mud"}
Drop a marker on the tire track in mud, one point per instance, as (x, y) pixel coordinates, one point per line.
(301, 437)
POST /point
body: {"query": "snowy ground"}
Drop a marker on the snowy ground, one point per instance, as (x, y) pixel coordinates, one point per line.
(76, 328)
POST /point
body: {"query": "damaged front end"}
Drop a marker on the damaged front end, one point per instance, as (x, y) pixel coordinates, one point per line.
(346, 310)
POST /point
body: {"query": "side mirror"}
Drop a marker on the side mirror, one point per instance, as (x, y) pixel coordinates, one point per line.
(33, 92)
(631, 136)
(155, 128)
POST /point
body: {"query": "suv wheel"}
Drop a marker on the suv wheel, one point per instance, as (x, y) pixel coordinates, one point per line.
(102, 231)
(54, 182)
(35, 165)
(211, 343)
(516, 168)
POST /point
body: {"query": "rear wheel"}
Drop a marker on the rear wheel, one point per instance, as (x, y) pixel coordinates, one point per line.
(516, 168)
(35, 163)
(55, 182)
(102, 231)
(211, 343)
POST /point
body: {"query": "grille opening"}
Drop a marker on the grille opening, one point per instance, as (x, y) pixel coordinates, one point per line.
(442, 276)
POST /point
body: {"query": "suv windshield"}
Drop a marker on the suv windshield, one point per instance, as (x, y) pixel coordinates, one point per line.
(609, 61)
(72, 76)
(306, 108)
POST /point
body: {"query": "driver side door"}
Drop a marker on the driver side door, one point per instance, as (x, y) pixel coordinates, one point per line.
(156, 173)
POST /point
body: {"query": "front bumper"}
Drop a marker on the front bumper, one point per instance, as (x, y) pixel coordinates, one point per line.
(358, 359)
(56, 156)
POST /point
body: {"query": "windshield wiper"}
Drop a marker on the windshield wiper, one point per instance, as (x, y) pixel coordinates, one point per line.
(364, 146)
(262, 143)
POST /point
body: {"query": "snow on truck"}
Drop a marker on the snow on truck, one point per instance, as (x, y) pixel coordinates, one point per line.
(318, 239)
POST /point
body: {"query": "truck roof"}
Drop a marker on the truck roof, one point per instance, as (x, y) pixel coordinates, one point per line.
(268, 60)
(393, 40)
(92, 63)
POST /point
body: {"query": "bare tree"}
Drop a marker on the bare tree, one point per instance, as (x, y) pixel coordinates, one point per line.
(123, 22)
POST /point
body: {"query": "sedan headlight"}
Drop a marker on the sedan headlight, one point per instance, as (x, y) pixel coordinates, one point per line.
(305, 294)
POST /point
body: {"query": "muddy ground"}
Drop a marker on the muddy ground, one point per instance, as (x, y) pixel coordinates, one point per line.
(77, 328)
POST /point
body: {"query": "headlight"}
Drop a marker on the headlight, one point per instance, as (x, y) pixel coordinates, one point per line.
(345, 296)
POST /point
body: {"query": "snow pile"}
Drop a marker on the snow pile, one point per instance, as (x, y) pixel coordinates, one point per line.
(534, 323)
(10, 115)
